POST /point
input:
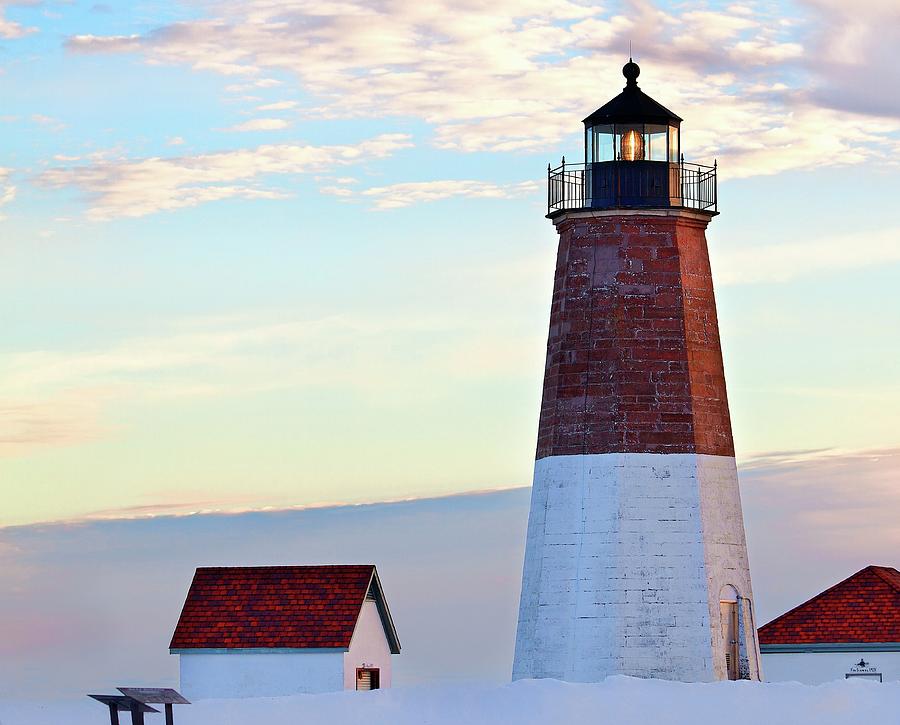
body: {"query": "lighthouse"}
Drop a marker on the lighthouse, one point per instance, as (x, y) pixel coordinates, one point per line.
(635, 557)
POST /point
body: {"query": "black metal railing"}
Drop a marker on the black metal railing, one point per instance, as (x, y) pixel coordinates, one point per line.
(631, 184)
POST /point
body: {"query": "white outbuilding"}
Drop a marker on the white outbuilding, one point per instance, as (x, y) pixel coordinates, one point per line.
(849, 631)
(267, 631)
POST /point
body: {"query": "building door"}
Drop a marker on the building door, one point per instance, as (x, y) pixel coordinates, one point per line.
(367, 678)
(730, 637)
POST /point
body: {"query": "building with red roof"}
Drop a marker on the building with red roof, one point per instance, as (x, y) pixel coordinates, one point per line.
(267, 631)
(851, 630)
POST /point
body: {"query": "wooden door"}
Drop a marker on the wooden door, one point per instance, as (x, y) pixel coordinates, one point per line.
(730, 637)
(367, 678)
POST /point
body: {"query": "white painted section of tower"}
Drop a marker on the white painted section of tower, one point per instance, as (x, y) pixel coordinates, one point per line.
(626, 556)
(368, 648)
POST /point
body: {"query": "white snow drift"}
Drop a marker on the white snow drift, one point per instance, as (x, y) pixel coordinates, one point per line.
(620, 700)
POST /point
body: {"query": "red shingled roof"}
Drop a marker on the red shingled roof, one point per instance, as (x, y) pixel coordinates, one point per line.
(863, 608)
(276, 606)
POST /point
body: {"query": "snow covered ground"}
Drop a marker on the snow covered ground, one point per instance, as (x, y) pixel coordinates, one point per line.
(618, 700)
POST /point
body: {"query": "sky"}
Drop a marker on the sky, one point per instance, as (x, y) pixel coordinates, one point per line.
(262, 261)
(90, 605)
(266, 254)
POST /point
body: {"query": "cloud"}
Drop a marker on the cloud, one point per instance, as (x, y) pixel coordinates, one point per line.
(396, 196)
(235, 355)
(69, 419)
(783, 262)
(137, 187)
(514, 76)
(10, 30)
(7, 189)
(104, 43)
(53, 398)
(59, 397)
(260, 124)
(337, 191)
(278, 106)
(53, 124)
(854, 47)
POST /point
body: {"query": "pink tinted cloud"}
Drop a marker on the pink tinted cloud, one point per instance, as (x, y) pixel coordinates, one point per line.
(510, 75)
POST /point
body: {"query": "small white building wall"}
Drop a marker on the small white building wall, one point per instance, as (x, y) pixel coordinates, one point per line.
(368, 648)
(815, 668)
(236, 674)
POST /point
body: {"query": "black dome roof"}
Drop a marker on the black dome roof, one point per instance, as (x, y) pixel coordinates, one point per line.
(632, 105)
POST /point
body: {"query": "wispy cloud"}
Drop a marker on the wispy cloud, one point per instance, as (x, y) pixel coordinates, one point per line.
(70, 418)
(52, 123)
(261, 124)
(9, 29)
(105, 44)
(854, 48)
(511, 76)
(53, 398)
(278, 106)
(7, 189)
(137, 187)
(785, 261)
(59, 397)
(396, 196)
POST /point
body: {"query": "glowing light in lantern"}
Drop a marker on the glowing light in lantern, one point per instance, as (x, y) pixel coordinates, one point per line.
(632, 147)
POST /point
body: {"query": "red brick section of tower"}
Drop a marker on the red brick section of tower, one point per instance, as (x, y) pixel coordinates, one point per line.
(633, 357)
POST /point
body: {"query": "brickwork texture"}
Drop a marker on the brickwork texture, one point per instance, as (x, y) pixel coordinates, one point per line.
(633, 356)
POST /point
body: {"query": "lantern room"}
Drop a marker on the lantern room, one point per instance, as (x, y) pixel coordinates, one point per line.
(631, 127)
(632, 159)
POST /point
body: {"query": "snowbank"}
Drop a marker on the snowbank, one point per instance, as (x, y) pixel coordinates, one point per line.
(618, 700)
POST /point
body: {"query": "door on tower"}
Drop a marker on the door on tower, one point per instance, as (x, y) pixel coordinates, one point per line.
(730, 637)
(367, 678)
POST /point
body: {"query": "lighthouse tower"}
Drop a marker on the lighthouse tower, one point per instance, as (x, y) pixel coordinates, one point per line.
(635, 559)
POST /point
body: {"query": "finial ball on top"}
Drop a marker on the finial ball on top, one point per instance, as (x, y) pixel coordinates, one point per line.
(631, 71)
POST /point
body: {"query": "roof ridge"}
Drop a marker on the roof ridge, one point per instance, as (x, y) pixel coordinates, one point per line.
(283, 566)
(882, 572)
(819, 596)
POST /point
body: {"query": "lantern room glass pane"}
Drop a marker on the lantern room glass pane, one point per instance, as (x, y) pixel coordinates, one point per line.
(600, 144)
(655, 138)
(630, 142)
(673, 144)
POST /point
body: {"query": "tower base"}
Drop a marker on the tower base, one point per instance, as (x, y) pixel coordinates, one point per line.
(628, 557)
